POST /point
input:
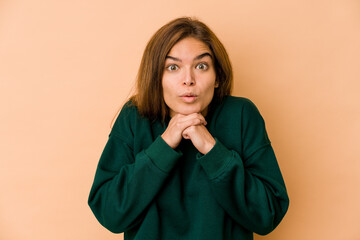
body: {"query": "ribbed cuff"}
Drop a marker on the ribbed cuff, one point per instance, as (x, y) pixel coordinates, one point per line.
(216, 160)
(162, 155)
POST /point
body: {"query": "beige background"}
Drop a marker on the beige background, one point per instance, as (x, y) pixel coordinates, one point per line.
(67, 66)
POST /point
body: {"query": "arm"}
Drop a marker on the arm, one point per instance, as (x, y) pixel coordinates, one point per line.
(249, 187)
(252, 192)
(125, 184)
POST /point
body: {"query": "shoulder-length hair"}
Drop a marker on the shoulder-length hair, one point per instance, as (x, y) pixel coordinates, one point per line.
(149, 92)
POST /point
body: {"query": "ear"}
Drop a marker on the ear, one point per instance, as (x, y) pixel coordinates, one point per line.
(216, 83)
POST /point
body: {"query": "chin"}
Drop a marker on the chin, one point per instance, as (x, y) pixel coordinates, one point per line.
(187, 111)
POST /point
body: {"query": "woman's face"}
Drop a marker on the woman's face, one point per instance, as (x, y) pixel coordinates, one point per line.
(189, 78)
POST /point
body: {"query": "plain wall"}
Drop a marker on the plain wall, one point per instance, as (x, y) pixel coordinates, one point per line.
(66, 67)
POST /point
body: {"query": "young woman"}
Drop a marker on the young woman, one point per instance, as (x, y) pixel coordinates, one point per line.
(184, 159)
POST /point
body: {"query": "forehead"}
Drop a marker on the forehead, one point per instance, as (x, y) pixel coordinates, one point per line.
(189, 47)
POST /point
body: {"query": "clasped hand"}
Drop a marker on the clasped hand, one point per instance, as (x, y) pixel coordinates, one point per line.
(191, 127)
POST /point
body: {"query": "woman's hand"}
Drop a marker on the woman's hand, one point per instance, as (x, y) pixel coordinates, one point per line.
(200, 137)
(191, 127)
(178, 123)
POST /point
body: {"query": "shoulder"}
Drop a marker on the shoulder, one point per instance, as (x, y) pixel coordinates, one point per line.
(128, 110)
(238, 106)
(237, 122)
(233, 100)
(127, 120)
(250, 119)
(239, 111)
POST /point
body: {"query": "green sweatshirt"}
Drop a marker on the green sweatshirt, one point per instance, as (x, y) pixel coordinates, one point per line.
(148, 190)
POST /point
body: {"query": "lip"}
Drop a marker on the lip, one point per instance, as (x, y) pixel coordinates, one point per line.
(189, 98)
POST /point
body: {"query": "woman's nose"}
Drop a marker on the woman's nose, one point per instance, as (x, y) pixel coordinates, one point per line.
(189, 79)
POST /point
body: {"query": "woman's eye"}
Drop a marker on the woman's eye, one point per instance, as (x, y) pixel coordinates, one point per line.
(172, 67)
(202, 66)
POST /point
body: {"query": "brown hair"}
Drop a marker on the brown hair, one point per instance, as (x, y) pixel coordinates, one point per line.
(149, 93)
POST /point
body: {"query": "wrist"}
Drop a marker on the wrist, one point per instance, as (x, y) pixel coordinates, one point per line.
(168, 142)
(208, 146)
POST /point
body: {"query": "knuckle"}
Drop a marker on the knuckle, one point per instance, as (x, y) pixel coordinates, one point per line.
(191, 129)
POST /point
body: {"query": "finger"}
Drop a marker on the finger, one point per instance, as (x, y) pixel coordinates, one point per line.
(190, 123)
(185, 118)
(185, 134)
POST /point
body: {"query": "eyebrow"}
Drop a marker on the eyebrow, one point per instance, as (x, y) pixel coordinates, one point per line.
(196, 58)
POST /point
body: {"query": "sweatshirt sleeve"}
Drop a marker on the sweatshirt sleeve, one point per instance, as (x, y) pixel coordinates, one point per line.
(125, 183)
(250, 188)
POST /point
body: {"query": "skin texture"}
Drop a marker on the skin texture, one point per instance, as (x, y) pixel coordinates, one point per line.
(188, 82)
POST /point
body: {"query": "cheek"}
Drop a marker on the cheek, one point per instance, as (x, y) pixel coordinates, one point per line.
(210, 83)
(210, 90)
(167, 90)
